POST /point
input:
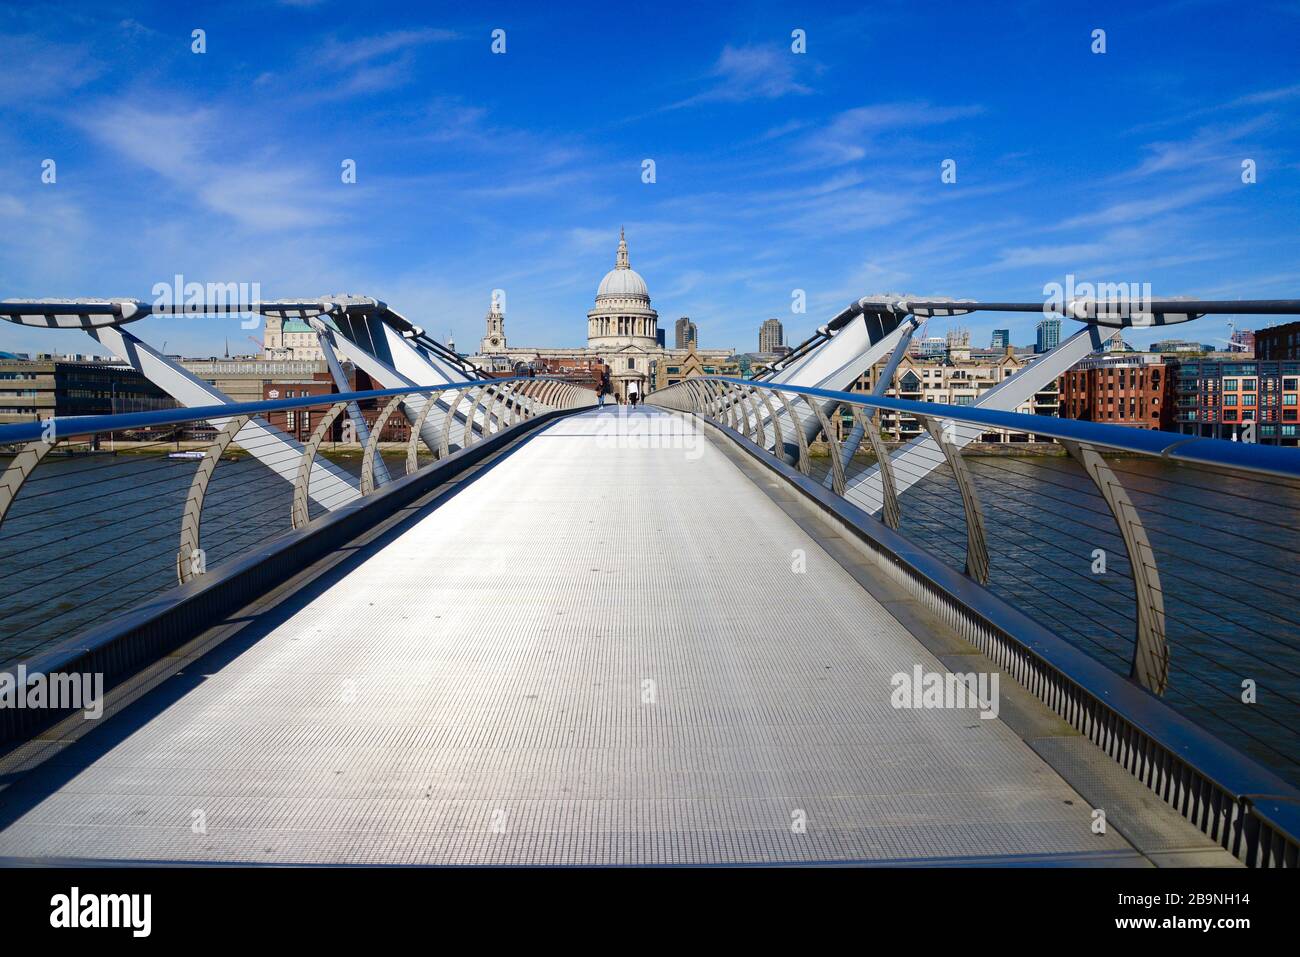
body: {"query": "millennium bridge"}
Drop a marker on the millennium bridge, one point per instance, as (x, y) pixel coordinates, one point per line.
(743, 623)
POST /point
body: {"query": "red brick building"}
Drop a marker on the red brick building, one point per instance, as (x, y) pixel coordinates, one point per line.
(1278, 342)
(1121, 391)
(299, 423)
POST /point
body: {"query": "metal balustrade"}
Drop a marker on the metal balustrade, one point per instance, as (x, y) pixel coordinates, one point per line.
(1169, 559)
(85, 502)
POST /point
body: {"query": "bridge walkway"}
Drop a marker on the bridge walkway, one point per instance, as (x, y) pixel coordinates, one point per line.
(598, 650)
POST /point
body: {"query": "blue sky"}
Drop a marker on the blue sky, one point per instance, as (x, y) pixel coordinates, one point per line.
(775, 171)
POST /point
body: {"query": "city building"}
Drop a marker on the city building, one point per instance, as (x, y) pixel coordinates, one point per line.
(1277, 342)
(694, 363)
(622, 329)
(1133, 389)
(245, 380)
(299, 423)
(1001, 339)
(927, 347)
(686, 333)
(290, 340)
(33, 389)
(1243, 340)
(771, 336)
(1233, 398)
(1177, 345)
(1049, 335)
(957, 379)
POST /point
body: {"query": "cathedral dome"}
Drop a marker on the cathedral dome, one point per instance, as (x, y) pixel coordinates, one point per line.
(622, 316)
(622, 282)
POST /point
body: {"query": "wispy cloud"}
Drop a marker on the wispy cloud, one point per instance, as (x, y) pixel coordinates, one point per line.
(359, 65)
(1145, 207)
(1210, 144)
(853, 134)
(38, 70)
(760, 71)
(346, 53)
(188, 147)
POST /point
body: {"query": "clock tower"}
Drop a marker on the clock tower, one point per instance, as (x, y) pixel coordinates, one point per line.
(495, 340)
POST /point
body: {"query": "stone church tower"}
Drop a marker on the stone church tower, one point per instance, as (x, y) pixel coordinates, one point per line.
(495, 339)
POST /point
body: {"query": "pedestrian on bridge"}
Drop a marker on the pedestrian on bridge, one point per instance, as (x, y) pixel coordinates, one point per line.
(602, 382)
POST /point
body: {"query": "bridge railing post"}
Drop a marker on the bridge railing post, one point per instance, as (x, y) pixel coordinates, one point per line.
(300, 512)
(187, 567)
(977, 552)
(372, 444)
(695, 393)
(412, 446)
(801, 461)
(752, 397)
(866, 420)
(1150, 665)
(824, 423)
(23, 464)
(478, 393)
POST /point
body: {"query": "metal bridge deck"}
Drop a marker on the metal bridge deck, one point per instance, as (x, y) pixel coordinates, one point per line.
(594, 653)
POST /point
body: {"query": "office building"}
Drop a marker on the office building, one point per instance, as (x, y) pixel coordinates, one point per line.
(33, 389)
(686, 333)
(1049, 335)
(770, 336)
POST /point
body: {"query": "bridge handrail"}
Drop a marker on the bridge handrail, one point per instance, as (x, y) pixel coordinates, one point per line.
(124, 421)
(1245, 456)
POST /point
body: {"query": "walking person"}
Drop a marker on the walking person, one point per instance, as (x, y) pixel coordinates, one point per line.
(633, 394)
(602, 383)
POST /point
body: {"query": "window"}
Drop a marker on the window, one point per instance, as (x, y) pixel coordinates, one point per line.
(1229, 385)
(1248, 385)
(1248, 399)
(1230, 400)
